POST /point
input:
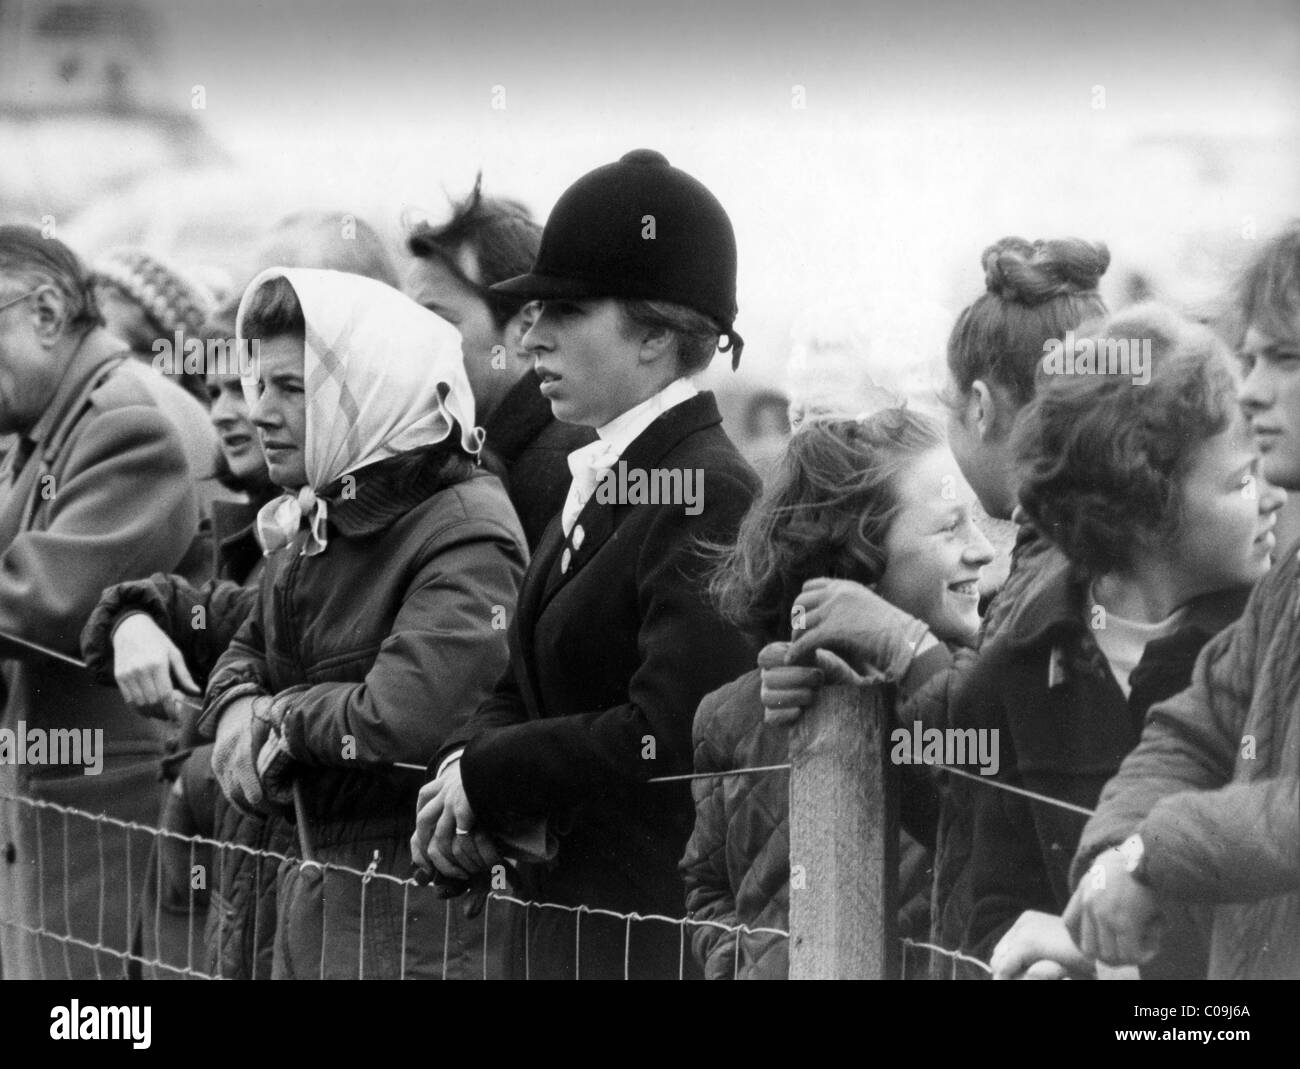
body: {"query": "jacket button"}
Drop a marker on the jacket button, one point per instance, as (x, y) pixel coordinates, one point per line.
(565, 560)
(578, 535)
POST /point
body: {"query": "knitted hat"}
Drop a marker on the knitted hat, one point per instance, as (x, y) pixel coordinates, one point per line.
(172, 301)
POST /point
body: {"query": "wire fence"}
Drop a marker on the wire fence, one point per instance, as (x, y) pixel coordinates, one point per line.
(144, 917)
(108, 939)
(144, 926)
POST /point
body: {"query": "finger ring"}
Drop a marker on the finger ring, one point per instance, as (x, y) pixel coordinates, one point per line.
(462, 831)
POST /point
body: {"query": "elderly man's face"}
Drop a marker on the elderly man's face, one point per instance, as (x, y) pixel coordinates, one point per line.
(29, 370)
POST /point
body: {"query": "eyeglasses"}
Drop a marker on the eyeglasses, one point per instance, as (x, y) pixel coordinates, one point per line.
(18, 300)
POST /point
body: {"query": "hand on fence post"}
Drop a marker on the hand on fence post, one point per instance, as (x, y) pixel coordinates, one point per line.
(788, 688)
(843, 838)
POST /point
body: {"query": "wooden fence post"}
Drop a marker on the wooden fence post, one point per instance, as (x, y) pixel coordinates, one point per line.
(843, 839)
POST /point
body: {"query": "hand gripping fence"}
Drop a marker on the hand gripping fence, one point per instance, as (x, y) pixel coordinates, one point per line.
(842, 922)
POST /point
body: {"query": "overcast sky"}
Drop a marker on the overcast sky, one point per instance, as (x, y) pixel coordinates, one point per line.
(929, 129)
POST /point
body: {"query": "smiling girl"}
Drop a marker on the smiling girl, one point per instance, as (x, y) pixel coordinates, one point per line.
(1034, 292)
(877, 502)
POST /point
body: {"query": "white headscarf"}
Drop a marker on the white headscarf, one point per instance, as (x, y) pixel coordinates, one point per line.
(382, 376)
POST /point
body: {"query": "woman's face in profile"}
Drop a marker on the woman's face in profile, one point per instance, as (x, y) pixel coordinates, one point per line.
(1227, 512)
(235, 431)
(934, 551)
(586, 355)
(280, 413)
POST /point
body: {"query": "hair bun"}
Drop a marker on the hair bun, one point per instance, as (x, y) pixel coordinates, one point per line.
(1033, 272)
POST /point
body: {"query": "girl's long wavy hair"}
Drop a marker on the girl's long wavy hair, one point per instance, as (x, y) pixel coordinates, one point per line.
(825, 513)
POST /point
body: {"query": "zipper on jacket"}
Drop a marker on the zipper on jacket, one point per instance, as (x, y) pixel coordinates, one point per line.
(286, 616)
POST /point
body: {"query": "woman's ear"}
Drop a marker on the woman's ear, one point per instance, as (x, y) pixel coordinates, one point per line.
(657, 343)
(982, 409)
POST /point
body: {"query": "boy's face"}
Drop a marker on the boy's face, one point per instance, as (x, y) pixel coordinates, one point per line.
(1270, 397)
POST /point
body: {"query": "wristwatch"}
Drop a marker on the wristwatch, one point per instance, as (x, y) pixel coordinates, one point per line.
(1133, 851)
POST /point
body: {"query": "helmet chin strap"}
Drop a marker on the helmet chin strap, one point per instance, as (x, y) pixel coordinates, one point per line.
(735, 346)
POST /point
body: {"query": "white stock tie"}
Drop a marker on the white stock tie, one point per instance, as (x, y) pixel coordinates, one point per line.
(587, 465)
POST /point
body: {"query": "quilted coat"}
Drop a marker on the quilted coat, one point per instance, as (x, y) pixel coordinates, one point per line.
(737, 862)
(387, 641)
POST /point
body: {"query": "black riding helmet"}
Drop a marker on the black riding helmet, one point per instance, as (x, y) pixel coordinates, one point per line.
(638, 229)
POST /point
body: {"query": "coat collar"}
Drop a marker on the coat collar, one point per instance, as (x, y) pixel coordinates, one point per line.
(1055, 600)
(1056, 603)
(231, 520)
(391, 488)
(1207, 615)
(88, 362)
(518, 419)
(234, 530)
(598, 519)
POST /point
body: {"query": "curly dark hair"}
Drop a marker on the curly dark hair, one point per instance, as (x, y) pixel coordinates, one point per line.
(825, 512)
(1034, 291)
(1102, 457)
